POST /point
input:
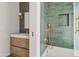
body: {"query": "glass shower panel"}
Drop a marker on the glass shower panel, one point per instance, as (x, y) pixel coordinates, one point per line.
(59, 15)
(42, 28)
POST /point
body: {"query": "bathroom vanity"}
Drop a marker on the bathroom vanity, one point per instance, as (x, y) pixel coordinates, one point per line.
(20, 41)
(20, 45)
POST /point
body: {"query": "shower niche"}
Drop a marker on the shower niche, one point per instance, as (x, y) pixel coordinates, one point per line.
(63, 19)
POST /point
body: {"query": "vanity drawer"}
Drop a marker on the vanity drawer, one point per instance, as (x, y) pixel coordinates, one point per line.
(19, 51)
(24, 43)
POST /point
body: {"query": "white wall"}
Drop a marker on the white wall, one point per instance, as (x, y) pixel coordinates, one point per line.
(8, 24)
(35, 28)
(76, 34)
(4, 29)
(14, 6)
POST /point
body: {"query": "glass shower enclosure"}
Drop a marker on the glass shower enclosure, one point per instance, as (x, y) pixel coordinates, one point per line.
(56, 25)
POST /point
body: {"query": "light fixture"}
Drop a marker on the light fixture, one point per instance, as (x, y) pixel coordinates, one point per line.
(20, 13)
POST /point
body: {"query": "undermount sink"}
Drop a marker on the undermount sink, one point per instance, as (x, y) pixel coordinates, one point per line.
(20, 35)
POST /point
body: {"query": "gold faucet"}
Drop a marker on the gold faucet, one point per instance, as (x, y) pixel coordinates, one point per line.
(48, 30)
(77, 24)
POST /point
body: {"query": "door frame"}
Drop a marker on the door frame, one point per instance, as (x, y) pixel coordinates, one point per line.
(34, 34)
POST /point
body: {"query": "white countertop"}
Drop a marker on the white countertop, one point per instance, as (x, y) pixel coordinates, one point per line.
(21, 35)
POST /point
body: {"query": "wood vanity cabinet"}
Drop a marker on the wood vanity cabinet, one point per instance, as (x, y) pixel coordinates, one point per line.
(19, 47)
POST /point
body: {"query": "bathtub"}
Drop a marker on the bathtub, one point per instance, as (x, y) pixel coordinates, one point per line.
(54, 51)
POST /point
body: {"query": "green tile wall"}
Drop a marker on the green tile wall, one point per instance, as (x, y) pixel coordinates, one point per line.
(61, 36)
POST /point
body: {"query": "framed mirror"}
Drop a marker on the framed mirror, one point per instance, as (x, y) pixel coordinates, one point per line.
(26, 20)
